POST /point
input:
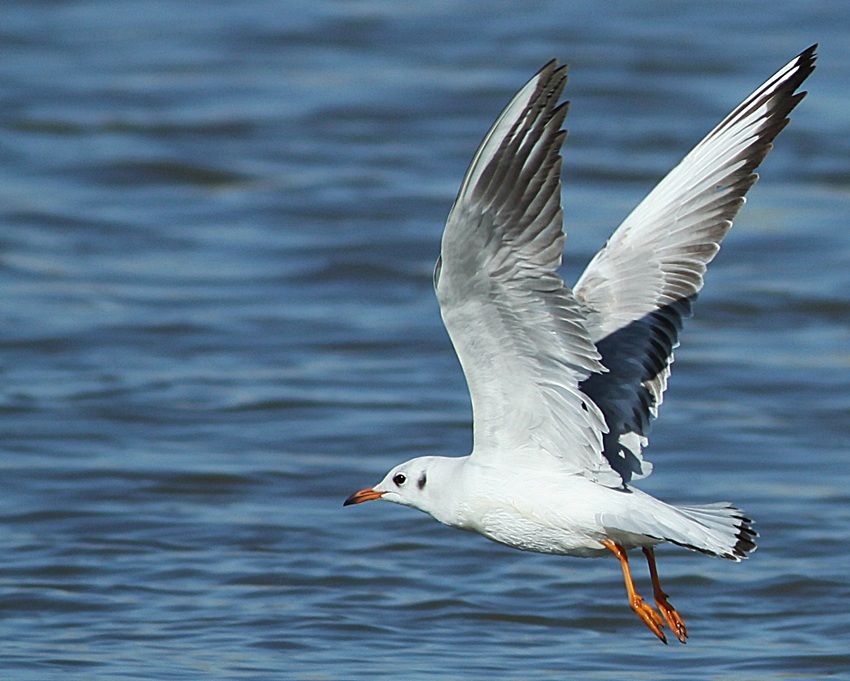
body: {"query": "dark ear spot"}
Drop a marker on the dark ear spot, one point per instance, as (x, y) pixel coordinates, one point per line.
(422, 480)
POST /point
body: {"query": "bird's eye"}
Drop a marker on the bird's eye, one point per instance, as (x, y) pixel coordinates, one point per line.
(399, 479)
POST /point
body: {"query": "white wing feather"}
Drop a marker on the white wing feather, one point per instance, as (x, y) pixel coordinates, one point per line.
(518, 331)
(640, 287)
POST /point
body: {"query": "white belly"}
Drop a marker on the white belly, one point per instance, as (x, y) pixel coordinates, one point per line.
(534, 512)
(526, 534)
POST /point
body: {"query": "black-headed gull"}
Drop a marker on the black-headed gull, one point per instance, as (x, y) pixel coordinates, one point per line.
(565, 382)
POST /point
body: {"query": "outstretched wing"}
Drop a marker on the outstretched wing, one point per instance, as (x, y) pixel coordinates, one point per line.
(640, 287)
(518, 332)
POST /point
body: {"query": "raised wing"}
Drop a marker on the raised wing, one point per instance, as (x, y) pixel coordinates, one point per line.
(640, 287)
(518, 332)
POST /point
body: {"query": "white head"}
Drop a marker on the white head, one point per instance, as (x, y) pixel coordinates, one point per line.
(422, 483)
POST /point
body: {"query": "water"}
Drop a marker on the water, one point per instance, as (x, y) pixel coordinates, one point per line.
(218, 228)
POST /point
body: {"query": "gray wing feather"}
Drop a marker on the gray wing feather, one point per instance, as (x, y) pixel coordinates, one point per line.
(641, 286)
(519, 333)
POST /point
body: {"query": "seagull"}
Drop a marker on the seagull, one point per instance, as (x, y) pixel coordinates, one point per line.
(564, 382)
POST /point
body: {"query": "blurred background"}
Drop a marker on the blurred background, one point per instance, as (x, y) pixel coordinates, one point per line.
(218, 223)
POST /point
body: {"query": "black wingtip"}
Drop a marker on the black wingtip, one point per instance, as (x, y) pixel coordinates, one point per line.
(807, 58)
(548, 68)
(551, 68)
(805, 63)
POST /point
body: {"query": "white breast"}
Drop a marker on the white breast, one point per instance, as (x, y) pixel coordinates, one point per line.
(533, 510)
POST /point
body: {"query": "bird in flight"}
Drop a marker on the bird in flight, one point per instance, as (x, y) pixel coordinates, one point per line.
(565, 382)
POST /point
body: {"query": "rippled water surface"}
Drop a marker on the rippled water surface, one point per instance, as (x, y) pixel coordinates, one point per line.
(218, 223)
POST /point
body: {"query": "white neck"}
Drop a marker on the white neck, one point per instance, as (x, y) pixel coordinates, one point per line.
(446, 483)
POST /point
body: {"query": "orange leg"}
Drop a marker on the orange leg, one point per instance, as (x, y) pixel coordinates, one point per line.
(646, 612)
(674, 619)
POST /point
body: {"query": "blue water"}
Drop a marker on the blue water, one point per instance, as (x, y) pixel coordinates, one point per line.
(219, 222)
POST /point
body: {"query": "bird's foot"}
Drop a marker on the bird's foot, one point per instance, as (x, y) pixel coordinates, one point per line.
(674, 619)
(650, 616)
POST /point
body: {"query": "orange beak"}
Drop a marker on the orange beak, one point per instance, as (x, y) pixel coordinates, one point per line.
(367, 494)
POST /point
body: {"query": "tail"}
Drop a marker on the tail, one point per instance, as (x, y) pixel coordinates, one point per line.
(718, 529)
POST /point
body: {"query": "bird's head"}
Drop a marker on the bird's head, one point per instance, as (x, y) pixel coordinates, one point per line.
(417, 483)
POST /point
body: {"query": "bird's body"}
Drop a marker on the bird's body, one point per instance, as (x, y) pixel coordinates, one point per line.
(549, 511)
(565, 381)
(482, 499)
